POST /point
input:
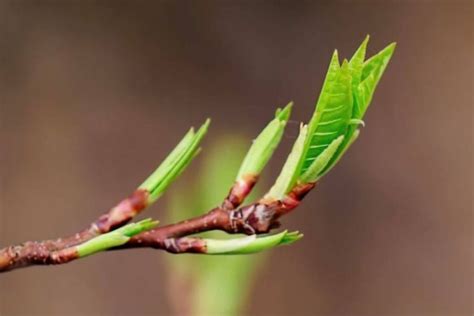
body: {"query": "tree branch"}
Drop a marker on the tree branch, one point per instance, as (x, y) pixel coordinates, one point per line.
(256, 218)
(346, 94)
(63, 250)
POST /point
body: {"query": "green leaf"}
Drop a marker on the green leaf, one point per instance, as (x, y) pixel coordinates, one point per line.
(270, 241)
(114, 238)
(332, 114)
(336, 157)
(151, 182)
(290, 238)
(313, 172)
(250, 244)
(364, 77)
(344, 98)
(371, 75)
(356, 64)
(285, 113)
(290, 170)
(227, 246)
(175, 164)
(265, 144)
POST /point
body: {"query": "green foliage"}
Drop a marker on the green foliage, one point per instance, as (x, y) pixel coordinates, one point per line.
(333, 111)
(265, 144)
(114, 238)
(175, 163)
(364, 88)
(321, 161)
(342, 103)
(371, 75)
(250, 244)
(286, 179)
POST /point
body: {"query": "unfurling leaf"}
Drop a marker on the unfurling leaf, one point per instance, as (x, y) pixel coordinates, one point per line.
(335, 158)
(289, 173)
(114, 238)
(332, 115)
(342, 103)
(250, 244)
(371, 75)
(265, 144)
(372, 72)
(318, 165)
(175, 163)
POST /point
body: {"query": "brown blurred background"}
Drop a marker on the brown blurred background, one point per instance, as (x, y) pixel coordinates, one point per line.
(94, 94)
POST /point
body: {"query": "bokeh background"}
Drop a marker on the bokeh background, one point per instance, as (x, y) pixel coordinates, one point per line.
(93, 94)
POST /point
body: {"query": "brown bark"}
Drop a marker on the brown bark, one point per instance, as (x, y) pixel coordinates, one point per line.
(256, 218)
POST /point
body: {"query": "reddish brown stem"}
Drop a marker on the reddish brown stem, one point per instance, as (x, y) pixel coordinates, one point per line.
(239, 191)
(51, 251)
(256, 218)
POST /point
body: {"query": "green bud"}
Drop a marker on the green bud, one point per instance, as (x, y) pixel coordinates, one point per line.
(175, 163)
(365, 78)
(290, 170)
(114, 238)
(250, 244)
(265, 144)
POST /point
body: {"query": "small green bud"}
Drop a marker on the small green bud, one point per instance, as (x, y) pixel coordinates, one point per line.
(114, 238)
(290, 170)
(175, 163)
(265, 144)
(250, 244)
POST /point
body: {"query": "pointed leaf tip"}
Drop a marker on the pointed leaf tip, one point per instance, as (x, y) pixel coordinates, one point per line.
(355, 121)
(205, 125)
(361, 50)
(175, 163)
(290, 238)
(264, 145)
(387, 52)
(284, 114)
(365, 42)
(334, 63)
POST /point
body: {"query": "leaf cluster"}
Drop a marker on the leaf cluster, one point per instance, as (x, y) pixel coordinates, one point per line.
(345, 96)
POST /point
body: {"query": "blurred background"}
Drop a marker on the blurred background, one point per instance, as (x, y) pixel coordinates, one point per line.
(93, 94)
